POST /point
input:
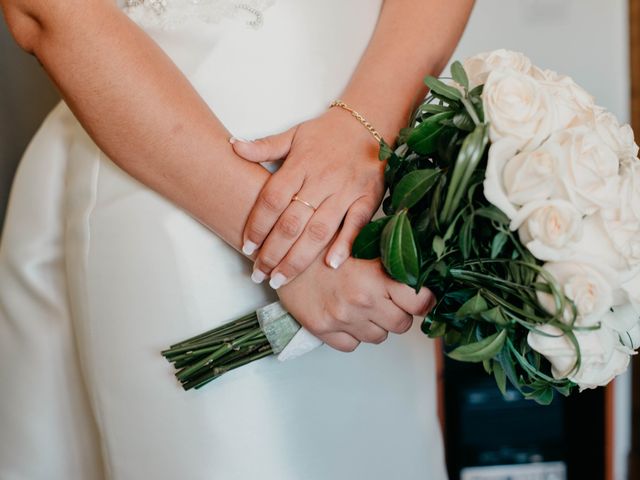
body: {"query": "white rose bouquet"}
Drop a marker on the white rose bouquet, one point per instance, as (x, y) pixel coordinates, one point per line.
(517, 201)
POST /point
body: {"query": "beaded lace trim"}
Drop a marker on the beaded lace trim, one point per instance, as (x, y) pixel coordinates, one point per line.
(173, 13)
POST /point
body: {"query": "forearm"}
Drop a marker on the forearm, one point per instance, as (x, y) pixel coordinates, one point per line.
(144, 114)
(413, 38)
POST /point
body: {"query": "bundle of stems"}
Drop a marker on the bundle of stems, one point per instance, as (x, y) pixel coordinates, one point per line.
(205, 357)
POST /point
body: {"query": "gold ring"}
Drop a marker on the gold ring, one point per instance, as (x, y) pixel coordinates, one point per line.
(296, 198)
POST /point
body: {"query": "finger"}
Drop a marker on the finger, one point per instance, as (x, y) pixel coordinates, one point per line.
(388, 316)
(273, 200)
(370, 332)
(407, 299)
(317, 234)
(284, 234)
(357, 217)
(340, 341)
(265, 149)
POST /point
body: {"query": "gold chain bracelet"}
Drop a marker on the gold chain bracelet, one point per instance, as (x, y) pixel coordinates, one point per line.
(360, 118)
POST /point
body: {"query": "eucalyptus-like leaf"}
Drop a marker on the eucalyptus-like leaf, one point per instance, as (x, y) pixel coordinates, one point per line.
(399, 251)
(385, 151)
(440, 88)
(500, 376)
(367, 243)
(482, 350)
(433, 108)
(475, 305)
(423, 139)
(469, 157)
(495, 316)
(459, 75)
(438, 246)
(498, 244)
(463, 121)
(413, 187)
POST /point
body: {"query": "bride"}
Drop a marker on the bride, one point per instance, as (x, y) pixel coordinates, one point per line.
(103, 263)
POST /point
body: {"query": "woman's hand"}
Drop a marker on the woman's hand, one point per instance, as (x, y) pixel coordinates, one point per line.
(331, 167)
(357, 303)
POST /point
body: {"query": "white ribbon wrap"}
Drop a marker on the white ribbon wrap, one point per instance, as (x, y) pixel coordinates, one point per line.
(288, 339)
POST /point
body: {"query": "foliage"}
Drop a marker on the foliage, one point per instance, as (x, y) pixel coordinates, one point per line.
(440, 231)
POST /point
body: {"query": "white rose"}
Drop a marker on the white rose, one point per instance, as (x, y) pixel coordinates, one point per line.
(589, 287)
(518, 108)
(493, 186)
(548, 228)
(532, 176)
(618, 138)
(587, 168)
(602, 356)
(574, 105)
(631, 287)
(480, 66)
(596, 245)
(622, 223)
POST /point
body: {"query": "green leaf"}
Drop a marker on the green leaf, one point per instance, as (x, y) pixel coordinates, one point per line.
(476, 92)
(413, 187)
(367, 243)
(468, 159)
(498, 244)
(424, 138)
(475, 305)
(459, 75)
(399, 251)
(436, 86)
(463, 121)
(385, 151)
(486, 364)
(438, 246)
(433, 108)
(482, 350)
(500, 376)
(493, 213)
(436, 329)
(494, 315)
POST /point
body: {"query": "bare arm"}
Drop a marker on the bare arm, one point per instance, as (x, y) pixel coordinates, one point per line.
(163, 134)
(331, 161)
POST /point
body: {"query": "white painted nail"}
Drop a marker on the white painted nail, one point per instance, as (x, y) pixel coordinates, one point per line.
(233, 140)
(277, 281)
(336, 259)
(258, 276)
(249, 247)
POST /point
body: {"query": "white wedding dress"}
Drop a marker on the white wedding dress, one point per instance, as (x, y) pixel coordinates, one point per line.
(98, 274)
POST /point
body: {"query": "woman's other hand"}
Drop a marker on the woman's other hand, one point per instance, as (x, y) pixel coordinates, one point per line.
(357, 303)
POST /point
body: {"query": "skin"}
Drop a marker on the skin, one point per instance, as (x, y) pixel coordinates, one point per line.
(342, 177)
(166, 136)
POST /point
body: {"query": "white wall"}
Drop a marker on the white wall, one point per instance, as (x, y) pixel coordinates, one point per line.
(588, 40)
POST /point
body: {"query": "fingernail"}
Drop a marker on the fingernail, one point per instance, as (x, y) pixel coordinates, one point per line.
(336, 259)
(249, 247)
(258, 276)
(233, 140)
(277, 281)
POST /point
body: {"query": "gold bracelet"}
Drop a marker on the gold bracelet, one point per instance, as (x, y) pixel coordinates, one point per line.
(360, 118)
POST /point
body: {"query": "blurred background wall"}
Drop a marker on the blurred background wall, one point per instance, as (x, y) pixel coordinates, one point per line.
(26, 95)
(587, 39)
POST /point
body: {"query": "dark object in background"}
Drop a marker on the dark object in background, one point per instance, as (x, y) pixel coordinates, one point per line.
(564, 440)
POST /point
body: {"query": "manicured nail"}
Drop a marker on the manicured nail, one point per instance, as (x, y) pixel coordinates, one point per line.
(258, 276)
(277, 281)
(336, 259)
(233, 140)
(249, 247)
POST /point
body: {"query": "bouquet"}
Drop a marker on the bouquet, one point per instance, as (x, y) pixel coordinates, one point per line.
(516, 200)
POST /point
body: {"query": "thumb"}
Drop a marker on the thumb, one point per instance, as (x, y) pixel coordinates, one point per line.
(266, 149)
(408, 300)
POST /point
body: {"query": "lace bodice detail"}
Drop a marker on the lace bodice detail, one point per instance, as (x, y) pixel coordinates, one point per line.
(170, 14)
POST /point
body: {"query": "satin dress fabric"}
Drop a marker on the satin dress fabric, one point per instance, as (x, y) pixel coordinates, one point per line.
(98, 274)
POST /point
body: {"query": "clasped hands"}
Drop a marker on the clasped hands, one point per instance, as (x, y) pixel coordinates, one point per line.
(302, 227)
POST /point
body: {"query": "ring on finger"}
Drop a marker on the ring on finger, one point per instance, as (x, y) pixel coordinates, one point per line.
(296, 198)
